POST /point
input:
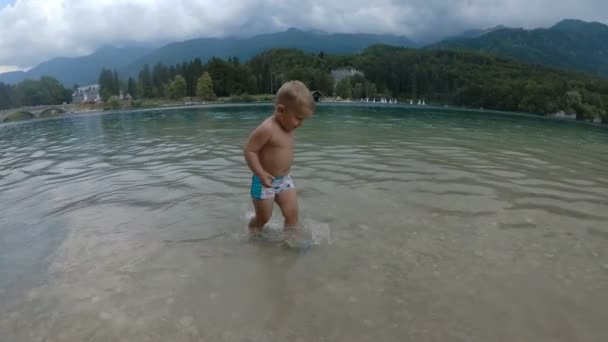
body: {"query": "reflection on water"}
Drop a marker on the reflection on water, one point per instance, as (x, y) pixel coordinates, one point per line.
(444, 227)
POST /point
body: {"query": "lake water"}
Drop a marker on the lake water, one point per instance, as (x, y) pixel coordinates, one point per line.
(430, 226)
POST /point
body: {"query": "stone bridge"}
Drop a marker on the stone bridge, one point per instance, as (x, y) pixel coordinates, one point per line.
(25, 113)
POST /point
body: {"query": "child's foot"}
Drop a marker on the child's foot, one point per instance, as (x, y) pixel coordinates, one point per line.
(293, 241)
(257, 235)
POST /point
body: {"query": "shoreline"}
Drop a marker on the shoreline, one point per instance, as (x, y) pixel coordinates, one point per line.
(220, 104)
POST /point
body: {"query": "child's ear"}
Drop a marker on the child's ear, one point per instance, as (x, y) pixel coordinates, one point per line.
(281, 108)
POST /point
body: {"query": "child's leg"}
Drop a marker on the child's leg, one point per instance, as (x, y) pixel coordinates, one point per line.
(288, 202)
(263, 212)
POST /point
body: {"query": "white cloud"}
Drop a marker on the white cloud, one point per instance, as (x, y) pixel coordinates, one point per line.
(35, 30)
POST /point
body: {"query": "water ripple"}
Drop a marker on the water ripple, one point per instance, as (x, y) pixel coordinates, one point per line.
(140, 204)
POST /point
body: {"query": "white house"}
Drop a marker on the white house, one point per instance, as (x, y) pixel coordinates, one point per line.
(89, 93)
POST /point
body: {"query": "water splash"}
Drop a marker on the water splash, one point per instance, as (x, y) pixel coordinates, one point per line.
(310, 232)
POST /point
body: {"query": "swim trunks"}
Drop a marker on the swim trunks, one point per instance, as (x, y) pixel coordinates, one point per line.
(279, 184)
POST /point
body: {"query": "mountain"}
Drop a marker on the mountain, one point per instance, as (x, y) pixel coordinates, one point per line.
(246, 48)
(79, 70)
(129, 61)
(13, 77)
(475, 33)
(580, 26)
(570, 44)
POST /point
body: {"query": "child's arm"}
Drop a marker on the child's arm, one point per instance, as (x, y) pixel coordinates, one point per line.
(257, 140)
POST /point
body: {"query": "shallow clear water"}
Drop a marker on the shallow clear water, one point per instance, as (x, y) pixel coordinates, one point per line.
(432, 226)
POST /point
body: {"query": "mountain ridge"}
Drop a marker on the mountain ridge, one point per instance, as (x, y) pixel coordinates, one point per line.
(570, 44)
(128, 61)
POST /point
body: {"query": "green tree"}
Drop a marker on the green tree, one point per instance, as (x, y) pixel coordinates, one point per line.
(57, 92)
(251, 86)
(132, 87)
(370, 90)
(230, 77)
(177, 88)
(45, 91)
(204, 87)
(344, 89)
(5, 96)
(160, 76)
(358, 91)
(17, 97)
(145, 82)
(461, 78)
(115, 83)
(319, 80)
(106, 84)
(192, 73)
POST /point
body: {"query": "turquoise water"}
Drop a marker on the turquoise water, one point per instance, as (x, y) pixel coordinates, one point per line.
(430, 226)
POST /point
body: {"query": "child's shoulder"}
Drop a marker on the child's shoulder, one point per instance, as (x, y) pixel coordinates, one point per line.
(266, 127)
(268, 124)
(268, 121)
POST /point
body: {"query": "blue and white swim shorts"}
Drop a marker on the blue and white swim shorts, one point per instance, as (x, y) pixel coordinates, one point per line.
(279, 184)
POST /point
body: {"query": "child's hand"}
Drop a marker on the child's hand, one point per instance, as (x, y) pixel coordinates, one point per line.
(266, 179)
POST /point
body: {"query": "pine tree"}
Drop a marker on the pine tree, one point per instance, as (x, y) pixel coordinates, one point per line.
(115, 83)
(145, 81)
(132, 87)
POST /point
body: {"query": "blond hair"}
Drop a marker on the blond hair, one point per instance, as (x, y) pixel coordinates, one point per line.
(295, 93)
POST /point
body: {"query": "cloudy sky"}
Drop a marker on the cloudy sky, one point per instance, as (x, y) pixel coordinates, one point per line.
(32, 31)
